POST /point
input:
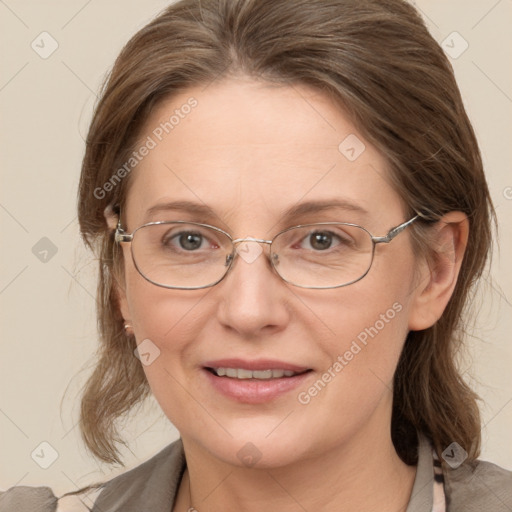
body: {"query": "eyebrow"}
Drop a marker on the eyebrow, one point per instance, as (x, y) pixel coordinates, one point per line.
(295, 211)
(187, 206)
(321, 206)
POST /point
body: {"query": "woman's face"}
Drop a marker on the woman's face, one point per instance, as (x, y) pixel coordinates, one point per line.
(249, 152)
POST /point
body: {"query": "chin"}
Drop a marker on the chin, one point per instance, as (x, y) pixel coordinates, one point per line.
(259, 444)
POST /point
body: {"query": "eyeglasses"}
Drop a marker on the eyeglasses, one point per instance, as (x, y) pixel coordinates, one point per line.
(190, 255)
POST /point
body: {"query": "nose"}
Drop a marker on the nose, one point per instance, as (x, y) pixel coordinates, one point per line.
(252, 296)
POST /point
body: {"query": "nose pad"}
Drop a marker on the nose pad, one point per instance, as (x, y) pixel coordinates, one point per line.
(229, 259)
(248, 258)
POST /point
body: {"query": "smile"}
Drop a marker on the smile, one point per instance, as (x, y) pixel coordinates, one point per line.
(242, 373)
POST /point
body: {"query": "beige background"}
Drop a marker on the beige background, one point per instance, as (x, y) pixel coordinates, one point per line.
(47, 308)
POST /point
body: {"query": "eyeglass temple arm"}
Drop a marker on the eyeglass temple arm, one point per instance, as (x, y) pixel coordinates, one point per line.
(120, 235)
(393, 232)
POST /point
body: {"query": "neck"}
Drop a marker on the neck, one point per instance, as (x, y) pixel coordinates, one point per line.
(364, 474)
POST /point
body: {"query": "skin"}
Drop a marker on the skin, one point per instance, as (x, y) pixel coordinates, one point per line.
(250, 150)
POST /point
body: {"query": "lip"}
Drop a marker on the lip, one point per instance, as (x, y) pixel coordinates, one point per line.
(253, 391)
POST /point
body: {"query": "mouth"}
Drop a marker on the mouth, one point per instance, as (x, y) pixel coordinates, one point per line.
(242, 373)
(254, 382)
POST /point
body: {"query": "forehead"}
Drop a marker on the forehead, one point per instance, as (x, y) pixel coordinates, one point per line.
(251, 149)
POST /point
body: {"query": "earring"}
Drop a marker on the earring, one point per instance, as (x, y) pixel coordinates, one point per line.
(128, 329)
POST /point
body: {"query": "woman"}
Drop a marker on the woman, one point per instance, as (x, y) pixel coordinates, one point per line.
(289, 209)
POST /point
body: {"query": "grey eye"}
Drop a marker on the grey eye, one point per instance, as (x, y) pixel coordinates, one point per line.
(320, 241)
(190, 241)
(183, 240)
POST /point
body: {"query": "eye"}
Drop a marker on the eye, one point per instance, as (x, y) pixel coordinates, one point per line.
(321, 240)
(186, 240)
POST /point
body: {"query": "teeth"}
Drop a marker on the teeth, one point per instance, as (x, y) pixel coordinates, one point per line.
(264, 374)
(242, 373)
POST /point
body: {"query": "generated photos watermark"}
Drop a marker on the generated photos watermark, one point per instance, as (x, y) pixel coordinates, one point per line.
(361, 341)
(151, 142)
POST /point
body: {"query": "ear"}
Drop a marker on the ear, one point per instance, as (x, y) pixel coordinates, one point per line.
(111, 219)
(438, 277)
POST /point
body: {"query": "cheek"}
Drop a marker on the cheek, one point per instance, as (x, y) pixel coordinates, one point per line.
(368, 323)
(167, 323)
(359, 363)
(171, 319)
(369, 318)
(158, 313)
(368, 339)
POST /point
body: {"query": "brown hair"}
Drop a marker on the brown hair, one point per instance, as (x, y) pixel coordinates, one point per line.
(377, 60)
